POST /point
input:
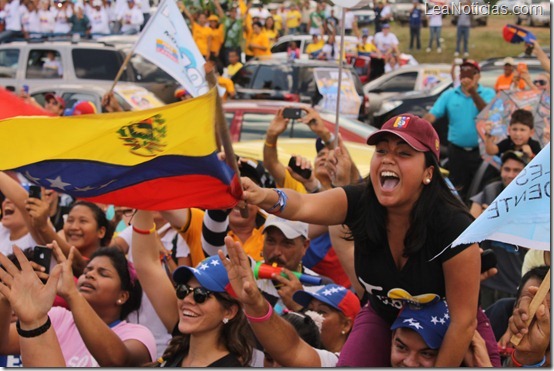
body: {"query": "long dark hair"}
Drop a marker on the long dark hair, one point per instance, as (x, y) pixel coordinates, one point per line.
(100, 218)
(436, 198)
(236, 335)
(129, 281)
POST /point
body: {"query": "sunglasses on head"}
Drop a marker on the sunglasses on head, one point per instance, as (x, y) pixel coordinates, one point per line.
(199, 294)
(539, 82)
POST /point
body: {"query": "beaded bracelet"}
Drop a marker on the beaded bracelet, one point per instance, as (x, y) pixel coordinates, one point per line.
(34, 332)
(144, 231)
(516, 363)
(263, 318)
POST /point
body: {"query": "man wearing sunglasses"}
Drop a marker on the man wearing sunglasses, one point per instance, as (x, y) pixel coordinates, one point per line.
(462, 105)
(54, 104)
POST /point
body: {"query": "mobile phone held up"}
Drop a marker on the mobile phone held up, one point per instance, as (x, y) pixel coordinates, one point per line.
(488, 260)
(304, 173)
(34, 191)
(292, 113)
(42, 256)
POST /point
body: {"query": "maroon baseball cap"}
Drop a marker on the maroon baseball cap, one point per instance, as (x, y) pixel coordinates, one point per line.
(57, 98)
(417, 132)
(472, 63)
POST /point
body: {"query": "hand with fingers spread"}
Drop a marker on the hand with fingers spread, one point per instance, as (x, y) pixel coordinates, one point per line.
(288, 286)
(66, 285)
(241, 276)
(29, 298)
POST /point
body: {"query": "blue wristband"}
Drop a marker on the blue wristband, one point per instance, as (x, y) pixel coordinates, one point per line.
(280, 204)
(540, 364)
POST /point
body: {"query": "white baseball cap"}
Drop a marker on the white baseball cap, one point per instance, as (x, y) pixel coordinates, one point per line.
(291, 229)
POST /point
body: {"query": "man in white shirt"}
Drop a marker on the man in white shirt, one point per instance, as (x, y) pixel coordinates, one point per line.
(387, 44)
(99, 20)
(131, 19)
(12, 21)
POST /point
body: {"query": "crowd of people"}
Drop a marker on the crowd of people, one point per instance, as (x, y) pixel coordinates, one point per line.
(329, 269)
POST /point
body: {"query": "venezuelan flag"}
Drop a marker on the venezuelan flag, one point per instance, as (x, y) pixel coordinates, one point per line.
(158, 159)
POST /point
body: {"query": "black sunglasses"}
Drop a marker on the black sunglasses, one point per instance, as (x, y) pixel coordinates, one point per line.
(199, 294)
(540, 82)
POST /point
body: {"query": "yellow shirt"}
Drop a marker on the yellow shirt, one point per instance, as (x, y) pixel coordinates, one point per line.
(233, 68)
(314, 47)
(292, 183)
(228, 85)
(367, 48)
(272, 36)
(260, 39)
(217, 39)
(200, 34)
(293, 18)
(254, 245)
(278, 22)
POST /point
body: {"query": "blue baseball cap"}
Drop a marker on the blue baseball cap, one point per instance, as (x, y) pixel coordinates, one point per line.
(430, 321)
(335, 296)
(210, 273)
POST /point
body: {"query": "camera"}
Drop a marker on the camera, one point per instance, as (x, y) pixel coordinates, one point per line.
(304, 173)
(292, 113)
(34, 191)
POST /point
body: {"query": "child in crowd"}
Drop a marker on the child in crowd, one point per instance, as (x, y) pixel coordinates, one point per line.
(520, 131)
(234, 64)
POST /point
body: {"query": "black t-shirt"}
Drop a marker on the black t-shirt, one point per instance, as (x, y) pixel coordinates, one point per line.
(230, 360)
(377, 271)
(507, 144)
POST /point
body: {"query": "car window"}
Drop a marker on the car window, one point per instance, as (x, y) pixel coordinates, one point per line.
(280, 48)
(8, 62)
(71, 98)
(148, 71)
(273, 77)
(244, 76)
(44, 64)
(254, 127)
(399, 83)
(303, 81)
(97, 64)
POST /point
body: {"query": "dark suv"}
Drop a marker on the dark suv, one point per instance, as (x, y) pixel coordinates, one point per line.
(292, 81)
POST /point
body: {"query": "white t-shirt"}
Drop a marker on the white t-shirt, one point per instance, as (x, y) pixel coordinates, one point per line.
(328, 359)
(46, 19)
(386, 11)
(384, 43)
(99, 21)
(30, 21)
(349, 18)
(6, 245)
(131, 19)
(182, 250)
(435, 20)
(12, 16)
(61, 24)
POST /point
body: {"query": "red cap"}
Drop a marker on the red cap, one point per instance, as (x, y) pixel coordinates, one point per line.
(57, 98)
(83, 107)
(417, 132)
(473, 63)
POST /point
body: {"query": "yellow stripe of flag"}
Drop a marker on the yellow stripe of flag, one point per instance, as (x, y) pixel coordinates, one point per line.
(127, 138)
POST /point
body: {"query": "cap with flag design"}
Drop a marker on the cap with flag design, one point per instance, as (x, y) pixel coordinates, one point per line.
(430, 321)
(417, 132)
(210, 273)
(335, 296)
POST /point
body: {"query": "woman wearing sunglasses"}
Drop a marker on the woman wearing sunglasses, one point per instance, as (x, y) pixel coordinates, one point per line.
(93, 332)
(209, 326)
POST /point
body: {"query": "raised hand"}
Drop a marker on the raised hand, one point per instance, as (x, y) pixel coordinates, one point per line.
(29, 298)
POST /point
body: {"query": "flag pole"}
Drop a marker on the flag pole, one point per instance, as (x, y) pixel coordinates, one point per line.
(544, 288)
(223, 133)
(343, 13)
(132, 51)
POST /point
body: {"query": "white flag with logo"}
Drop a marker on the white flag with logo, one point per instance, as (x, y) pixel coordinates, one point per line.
(167, 42)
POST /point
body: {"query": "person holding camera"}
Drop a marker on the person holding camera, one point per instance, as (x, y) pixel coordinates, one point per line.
(462, 105)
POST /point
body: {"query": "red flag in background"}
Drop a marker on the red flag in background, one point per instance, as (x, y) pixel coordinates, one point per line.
(11, 105)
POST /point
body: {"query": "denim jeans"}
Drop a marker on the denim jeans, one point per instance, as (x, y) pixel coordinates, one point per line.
(435, 34)
(415, 38)
(462, 33)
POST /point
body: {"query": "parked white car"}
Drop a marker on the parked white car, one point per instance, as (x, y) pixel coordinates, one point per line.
(535, 13)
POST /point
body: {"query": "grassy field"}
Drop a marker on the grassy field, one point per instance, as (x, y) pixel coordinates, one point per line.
(484, 42)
